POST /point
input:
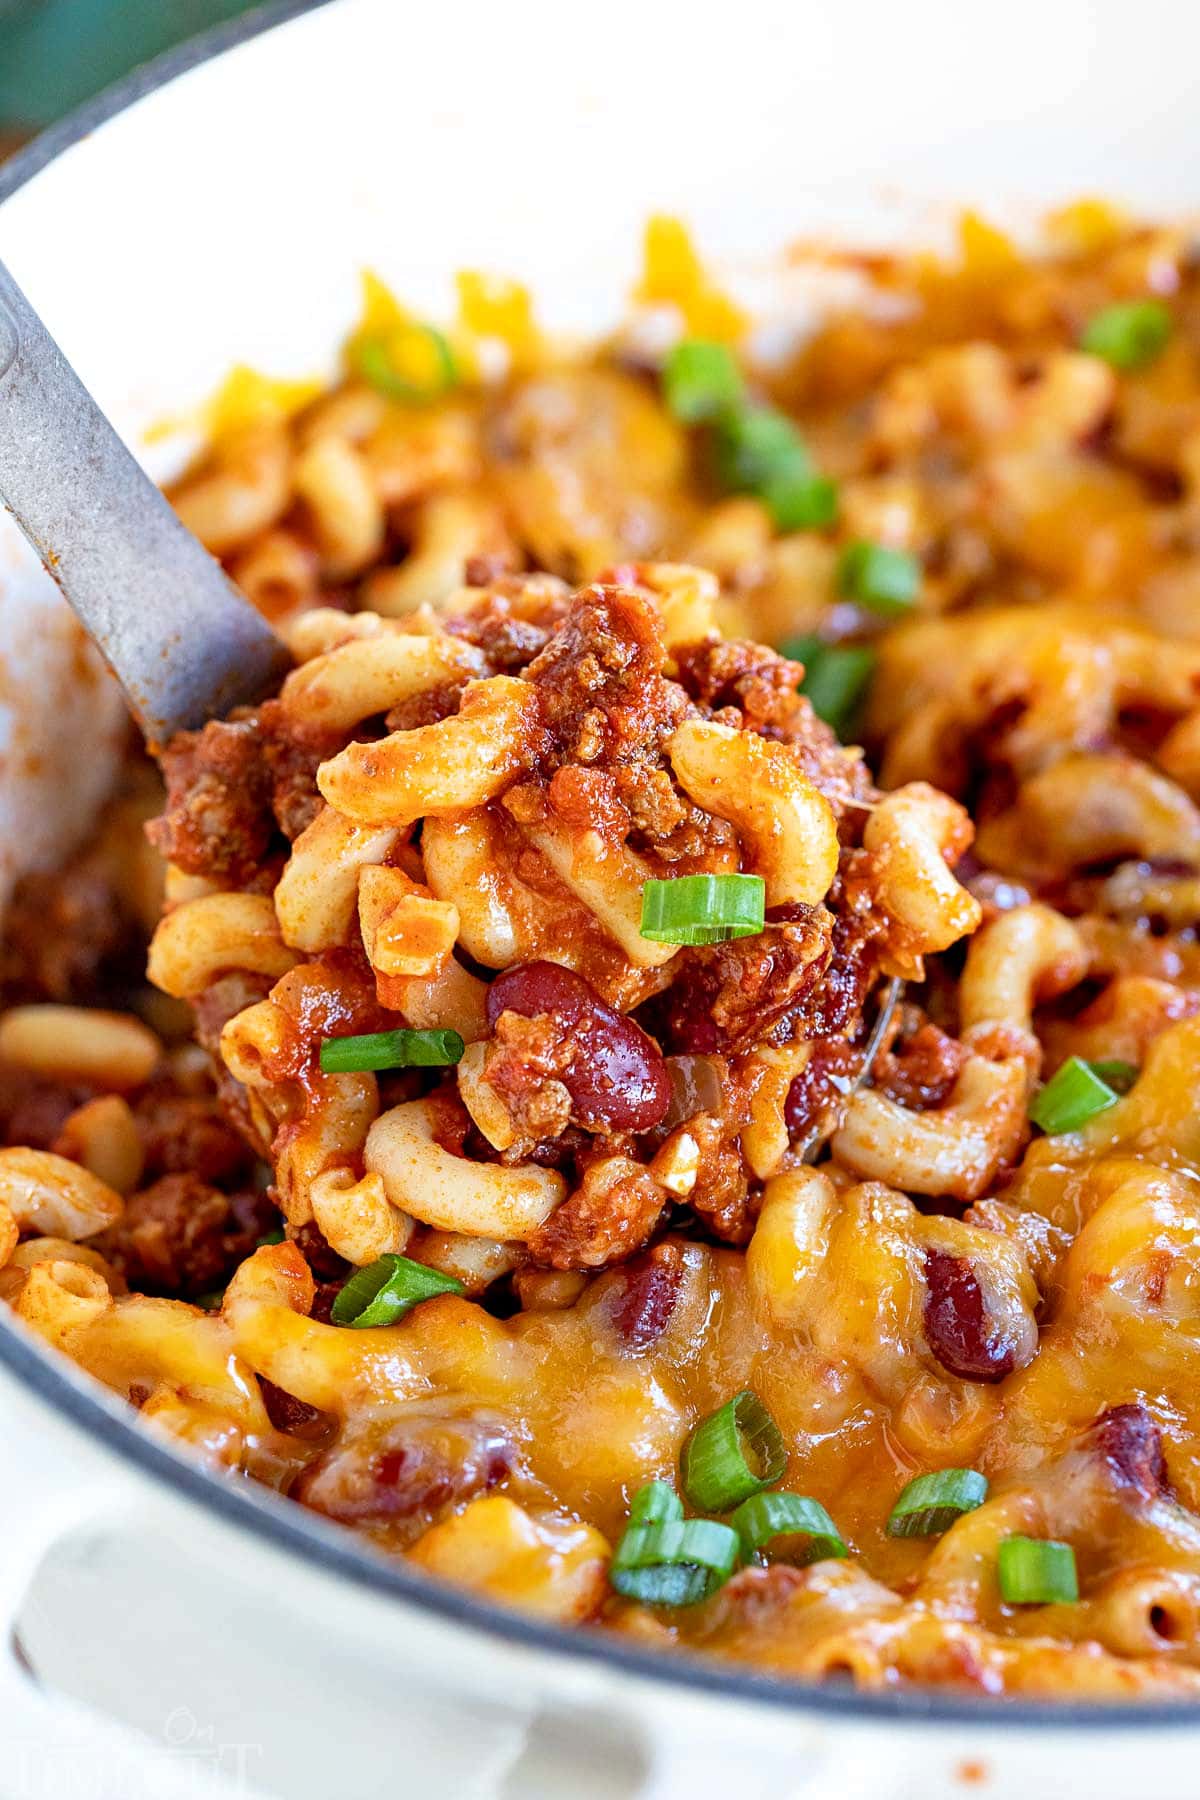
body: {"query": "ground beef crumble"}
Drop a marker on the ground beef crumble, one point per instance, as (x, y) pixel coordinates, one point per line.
(665, 824)
(69, 937)
(722, 1199)
(727, 998)
(426, 708)
(604, 1221)
(219, 1003)
(513, 621)
(237, 790)
(189, 1133)
(600, 681)
(920, 1069)
(33, 1111)
(182, 1237)
(217, 821)
(526, 1060)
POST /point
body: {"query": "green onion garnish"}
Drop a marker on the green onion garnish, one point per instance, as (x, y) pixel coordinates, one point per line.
(416, 365)
(1129, 334)
(757, 450)
(1074, 1095)
(800, 500)
(835, 680)
(764, 1518)
(391, 1050)
(1036, 1571)
(1119, 1076)
(737, 1451)
(836, 677)
(930, 1504)
(804, 649)
(701, 381)
(655, 1504)
(756, 444)
(384, 1291)
(703, 909)
(675, 1562)
(271, 1237)
(884, 580)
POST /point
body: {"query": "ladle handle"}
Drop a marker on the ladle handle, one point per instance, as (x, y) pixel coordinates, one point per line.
(181, 640)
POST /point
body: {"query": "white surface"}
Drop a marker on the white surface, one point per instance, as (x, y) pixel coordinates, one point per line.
(227, 218)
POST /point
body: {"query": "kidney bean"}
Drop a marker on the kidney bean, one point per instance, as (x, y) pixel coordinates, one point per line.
(646, 1296)
(827, 1077)
(957, 1326)
(296, 1417)
(401, 1467)
(1131, 1444)
(614, 1072)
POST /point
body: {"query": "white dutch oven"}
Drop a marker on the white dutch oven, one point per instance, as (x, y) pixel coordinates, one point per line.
(192, 1636)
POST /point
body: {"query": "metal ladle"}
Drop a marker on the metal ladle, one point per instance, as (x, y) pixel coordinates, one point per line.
(183, 643)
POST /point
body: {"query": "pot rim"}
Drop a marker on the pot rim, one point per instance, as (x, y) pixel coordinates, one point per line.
(287, 1526)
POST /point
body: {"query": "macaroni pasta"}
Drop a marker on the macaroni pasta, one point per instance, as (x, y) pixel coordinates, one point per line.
(562, 1043)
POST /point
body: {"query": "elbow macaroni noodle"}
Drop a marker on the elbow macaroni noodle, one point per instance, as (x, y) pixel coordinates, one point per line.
(754, 784)
(442, 768)
(449, 1193)
(804, 1161)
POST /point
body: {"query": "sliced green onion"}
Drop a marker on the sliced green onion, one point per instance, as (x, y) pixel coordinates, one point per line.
(1119, 1076)
(737, 1451)
(703, 909)
(271, 1237)
(758, 450)
(884, 580)
(764, 1518)
(804, 649)
(930, 1504)
(755, 445)
(835, 680)
(391, 1050)
(701, 381)
(384, 1291)
(1036, 1571)
(800, 500)
(835, 677)
(1128, 335)
(380, 361)
(675, 1562)
(655, 1504)
(1070, 1098)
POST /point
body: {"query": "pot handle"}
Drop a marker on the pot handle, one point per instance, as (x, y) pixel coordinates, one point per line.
(53, 1745)
(660, 1744)
(53, 1487)
(826, 1762)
